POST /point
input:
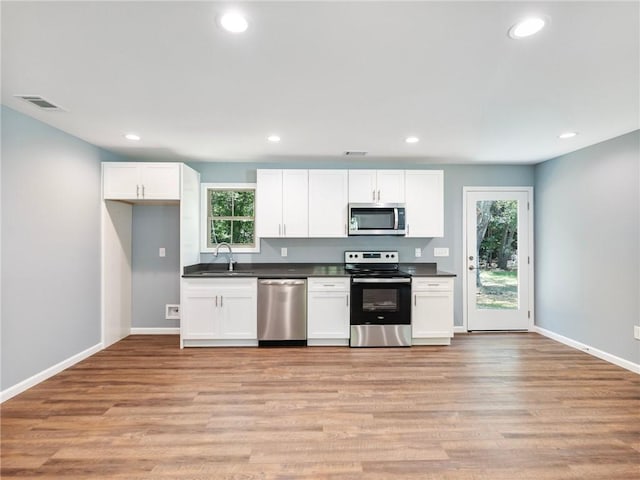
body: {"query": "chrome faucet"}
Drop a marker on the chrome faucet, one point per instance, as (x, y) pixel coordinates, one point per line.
(230, 254)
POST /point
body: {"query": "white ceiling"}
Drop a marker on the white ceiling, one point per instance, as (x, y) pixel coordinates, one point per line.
(328, 77)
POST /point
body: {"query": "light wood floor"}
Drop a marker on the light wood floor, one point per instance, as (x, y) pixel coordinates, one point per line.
(490, 406)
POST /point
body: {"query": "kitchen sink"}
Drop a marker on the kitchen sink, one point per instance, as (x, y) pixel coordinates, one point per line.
(224, 273)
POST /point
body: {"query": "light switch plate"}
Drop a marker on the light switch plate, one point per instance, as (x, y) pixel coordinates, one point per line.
(162, 252)
(418, 252)
(440, 252)
(283, 252)
(636, 332)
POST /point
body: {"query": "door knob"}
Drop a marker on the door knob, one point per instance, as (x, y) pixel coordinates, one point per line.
(471, 267)
(471, 257)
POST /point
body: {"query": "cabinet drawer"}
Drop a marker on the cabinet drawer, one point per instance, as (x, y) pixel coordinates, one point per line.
(432, 284)
(328, 284)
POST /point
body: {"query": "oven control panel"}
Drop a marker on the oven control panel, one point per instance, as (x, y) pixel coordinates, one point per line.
(390, 256)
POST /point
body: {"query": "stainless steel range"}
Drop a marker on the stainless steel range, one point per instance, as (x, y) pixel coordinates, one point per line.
(380, 300)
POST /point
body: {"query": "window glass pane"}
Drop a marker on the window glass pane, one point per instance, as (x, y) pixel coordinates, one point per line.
(221, 203)
(243, 204)
(497, 254)
(243, 232)
(221, 231)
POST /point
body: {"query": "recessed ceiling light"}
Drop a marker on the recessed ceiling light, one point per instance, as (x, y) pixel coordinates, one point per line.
(527, 27)
(412, 139)
(234, 22)
(132, 136)
(273, 138)
(567, 134)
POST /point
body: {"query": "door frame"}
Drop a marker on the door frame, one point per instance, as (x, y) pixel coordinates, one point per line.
(465, 271)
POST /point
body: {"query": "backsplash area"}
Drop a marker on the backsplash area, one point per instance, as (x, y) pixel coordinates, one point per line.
(331, 250)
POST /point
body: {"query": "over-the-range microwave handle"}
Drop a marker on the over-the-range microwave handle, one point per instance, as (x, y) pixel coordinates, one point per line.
(395, 218)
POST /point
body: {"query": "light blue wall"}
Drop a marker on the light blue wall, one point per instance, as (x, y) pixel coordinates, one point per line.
(50, 246)
(331, 250)
(155, 280)
(587, 212)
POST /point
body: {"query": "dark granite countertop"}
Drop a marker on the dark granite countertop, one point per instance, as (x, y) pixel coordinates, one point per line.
(297, 270)
(424, 270)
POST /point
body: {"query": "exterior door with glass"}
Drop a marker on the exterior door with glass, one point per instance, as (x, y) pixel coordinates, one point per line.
(498, 259)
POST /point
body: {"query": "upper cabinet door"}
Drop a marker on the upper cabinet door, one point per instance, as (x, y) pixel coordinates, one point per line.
(328, 198)
(269, 203)
(141, 181)
(376, 186)
(121, 180)
(160, 181)
(390, 186)
(295, 203)
(425, 203)
(362, 186)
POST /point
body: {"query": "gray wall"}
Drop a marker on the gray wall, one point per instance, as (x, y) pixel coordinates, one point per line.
(587, 212)
(50, 246)
(155, 280)
(331, 250)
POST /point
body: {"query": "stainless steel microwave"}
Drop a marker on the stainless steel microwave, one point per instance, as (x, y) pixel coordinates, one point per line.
(377, 219)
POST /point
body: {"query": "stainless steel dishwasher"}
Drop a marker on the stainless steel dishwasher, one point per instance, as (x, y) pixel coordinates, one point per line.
(282, 312)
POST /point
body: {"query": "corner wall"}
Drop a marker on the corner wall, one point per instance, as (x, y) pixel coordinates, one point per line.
(587, 241)
(50, 247)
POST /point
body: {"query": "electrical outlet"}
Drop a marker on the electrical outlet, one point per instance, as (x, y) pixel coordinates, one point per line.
(283, 252)
(440, 252)
(418, 252)
(636, 332)
(162, 252)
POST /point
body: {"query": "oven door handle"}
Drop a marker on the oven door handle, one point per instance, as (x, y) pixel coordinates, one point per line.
(381, 280)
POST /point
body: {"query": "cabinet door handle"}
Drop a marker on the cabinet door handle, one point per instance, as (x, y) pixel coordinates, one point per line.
(284, 229)
(414, 300)
(142, 191)
(408, 228)
(373, 195)
(378, 195)
(347, 300)
(279, 230)
(137, 191)
(216, 300)
(221, 297)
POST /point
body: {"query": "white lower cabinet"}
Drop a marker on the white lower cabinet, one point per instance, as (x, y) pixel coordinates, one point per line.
(328, 310)
(432, 311)
(219, 312)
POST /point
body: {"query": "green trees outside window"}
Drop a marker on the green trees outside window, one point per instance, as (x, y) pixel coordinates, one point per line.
(231, 217)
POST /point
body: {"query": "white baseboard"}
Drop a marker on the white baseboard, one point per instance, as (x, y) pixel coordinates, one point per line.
(621, 362)
(48, 373)
(155, 331)
(459, 329)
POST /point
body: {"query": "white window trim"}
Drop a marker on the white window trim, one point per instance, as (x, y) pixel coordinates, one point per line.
(203, 216)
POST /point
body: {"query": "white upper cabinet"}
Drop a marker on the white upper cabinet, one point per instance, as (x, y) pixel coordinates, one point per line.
(424, 190)
(269, 203)
(282, 203)
(379, 186)
(141, 181)
(328, 198)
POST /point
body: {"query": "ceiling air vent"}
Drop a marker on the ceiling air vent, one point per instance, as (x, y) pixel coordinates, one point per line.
(355, 153)
(38, 101)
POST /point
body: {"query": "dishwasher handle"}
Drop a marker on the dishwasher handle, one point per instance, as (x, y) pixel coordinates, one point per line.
(281, 282)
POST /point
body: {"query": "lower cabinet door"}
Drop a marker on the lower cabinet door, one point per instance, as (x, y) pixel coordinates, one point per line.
(432, 314)
(239, 314)
(328, 315)
(199, 314)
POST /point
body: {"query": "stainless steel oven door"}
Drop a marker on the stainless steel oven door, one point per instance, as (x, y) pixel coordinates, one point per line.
(380, 301)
